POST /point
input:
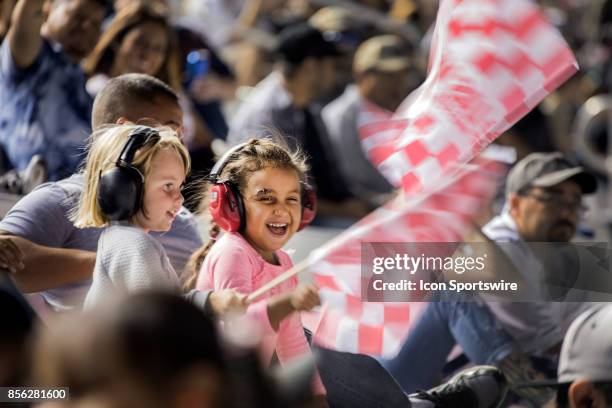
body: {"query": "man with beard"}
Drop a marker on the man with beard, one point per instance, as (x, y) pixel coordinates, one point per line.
(544, 193)
(543, 204)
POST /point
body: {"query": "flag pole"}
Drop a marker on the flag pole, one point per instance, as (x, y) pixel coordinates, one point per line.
(300, 267)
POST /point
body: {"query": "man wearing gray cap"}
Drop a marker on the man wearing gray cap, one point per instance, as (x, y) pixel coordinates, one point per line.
(585, 365)
(543, 204)
(543, 193)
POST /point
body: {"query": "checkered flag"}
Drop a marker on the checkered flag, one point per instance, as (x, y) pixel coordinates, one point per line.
(491, 62)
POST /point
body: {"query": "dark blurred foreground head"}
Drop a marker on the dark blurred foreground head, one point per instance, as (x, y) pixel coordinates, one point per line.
(152, 350)
(15, 329)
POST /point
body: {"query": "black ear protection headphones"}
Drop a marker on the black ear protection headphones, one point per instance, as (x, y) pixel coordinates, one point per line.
(226, 205)
(120, 190)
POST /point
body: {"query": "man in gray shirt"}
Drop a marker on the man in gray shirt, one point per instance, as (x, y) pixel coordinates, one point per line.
(543, 204)
(58, 258)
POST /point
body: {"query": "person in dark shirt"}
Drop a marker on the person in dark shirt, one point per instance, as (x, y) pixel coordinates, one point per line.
(285, 103)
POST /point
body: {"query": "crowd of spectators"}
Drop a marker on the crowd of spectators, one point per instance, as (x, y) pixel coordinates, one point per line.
(221, 72)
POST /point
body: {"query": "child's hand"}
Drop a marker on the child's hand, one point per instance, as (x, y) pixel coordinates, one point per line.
(11, 257)
(227, 300)
(305, 297)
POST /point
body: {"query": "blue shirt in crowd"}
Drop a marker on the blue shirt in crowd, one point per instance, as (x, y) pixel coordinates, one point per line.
(45, 110)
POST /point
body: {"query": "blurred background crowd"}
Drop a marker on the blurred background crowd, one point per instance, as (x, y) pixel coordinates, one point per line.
(240, 67)
(227, 58)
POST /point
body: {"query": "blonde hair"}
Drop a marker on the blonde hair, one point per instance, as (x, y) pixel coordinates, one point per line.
(255, 155)
(104, 150)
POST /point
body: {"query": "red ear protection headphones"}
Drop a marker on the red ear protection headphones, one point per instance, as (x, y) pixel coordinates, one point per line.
(227, 207)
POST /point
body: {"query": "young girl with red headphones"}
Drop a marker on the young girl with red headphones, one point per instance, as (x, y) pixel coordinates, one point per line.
(259, 196)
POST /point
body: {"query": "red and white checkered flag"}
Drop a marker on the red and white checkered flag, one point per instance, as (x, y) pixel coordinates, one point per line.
(348, 324)
(491, 62)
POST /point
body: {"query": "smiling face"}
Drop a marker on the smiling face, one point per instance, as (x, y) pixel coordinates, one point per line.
(273, 209)
(75, 24)
(162, 197)
(142, 50)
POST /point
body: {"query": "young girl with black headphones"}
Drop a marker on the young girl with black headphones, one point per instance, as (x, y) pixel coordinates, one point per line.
(134, 176)
(259, 196)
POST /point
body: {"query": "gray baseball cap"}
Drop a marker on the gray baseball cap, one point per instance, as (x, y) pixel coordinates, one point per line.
(547, 170)
(586, 352)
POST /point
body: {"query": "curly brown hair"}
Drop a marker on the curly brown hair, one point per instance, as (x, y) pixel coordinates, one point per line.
(255, 155)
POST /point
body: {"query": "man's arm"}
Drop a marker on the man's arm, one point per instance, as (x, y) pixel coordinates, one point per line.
(48, 268)
(24, 35)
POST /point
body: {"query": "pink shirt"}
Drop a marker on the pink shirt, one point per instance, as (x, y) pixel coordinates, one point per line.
(233, 263)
